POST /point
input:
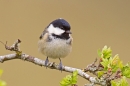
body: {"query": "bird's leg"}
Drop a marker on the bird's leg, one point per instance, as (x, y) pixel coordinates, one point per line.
(60, 65)
(46, 62)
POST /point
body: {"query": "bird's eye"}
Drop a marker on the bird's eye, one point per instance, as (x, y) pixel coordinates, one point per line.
(62, 27)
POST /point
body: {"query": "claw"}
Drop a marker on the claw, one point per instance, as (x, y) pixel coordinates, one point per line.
(46, 62)
(60, 65)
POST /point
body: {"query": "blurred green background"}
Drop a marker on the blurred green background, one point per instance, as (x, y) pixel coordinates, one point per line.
(94, 23)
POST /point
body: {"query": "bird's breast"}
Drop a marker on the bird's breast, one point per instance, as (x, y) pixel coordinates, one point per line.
(56, 48)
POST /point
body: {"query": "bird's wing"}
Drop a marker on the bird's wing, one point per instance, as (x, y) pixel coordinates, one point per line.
(43, 33)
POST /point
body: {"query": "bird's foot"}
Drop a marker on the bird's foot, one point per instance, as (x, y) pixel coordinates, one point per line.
(60, 65)
(46, 62)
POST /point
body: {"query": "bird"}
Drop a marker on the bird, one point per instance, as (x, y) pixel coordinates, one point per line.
(56, 41)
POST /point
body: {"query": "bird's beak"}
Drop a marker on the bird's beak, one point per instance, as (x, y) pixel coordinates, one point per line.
(68, 32)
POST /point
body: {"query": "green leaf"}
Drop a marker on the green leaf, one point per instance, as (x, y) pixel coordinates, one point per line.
(114, 63)
(113, 83)
(100, 73)
(70, 79)
(111, 63)
(105, 62)
(1, 71)
(66, 81)
(123, 82)
(74, 77)
(2, 83)
(115, 60)
(106, 52)
(105, 55)
(126, 71)
(99, 53)
(120, 65)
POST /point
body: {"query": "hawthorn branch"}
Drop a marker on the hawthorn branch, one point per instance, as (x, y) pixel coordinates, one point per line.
(93, 68)
(52, 65)
(14, 47)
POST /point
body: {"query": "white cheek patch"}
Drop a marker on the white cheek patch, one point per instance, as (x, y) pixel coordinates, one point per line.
(55, 30)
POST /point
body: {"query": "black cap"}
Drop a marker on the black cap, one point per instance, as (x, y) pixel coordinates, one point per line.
(61, 23)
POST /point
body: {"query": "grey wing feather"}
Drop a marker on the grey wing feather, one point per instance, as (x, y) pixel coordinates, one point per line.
(43, 33)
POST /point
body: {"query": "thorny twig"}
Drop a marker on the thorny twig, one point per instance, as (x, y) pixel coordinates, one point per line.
(14, 47)
(93, 68)
(107, 76)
